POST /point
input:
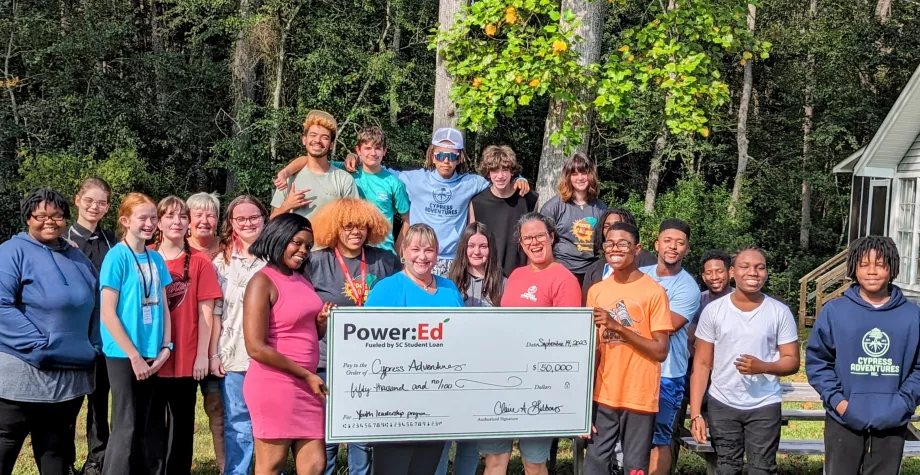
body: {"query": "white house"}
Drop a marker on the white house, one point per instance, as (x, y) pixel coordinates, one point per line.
(885, 198)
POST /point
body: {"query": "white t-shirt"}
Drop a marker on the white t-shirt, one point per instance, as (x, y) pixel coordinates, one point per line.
(757, 333)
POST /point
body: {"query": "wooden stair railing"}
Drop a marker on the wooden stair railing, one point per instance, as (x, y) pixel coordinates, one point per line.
(830, 282)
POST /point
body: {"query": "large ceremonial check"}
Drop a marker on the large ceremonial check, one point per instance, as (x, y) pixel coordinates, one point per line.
(399, 374)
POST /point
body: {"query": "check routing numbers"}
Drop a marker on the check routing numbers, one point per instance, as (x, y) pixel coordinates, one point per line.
(448, 373)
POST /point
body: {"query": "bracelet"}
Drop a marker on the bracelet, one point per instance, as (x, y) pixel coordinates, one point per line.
(698, 416)
(214, 357)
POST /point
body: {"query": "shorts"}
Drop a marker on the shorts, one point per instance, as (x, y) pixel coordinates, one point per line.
(669, 400)
(210, 384)
(533, 450)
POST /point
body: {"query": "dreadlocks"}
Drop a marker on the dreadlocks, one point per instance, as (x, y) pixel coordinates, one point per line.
(885, 249)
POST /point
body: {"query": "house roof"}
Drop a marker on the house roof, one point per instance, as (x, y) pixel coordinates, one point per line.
(893, 138)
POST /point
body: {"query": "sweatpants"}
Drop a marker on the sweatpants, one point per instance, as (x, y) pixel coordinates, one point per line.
(410, 458)
(97, 415)
(633, 430)
(735, 432)
(850, 452)
(133, 446)
(175, 398)
(50, 425)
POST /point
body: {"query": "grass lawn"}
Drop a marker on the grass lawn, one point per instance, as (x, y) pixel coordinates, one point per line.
(689, 463)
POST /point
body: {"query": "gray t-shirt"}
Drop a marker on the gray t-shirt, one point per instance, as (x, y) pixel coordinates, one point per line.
(324, 188)
(474, 296)
(575, 230)
(22, 382)
(329, 280)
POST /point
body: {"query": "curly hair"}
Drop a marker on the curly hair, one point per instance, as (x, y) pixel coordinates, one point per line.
(322, 119)
(329, 221)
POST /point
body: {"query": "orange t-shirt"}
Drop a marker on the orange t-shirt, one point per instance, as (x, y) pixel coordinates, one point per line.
(626, 379)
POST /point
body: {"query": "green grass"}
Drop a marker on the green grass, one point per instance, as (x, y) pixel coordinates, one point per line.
(688, 464)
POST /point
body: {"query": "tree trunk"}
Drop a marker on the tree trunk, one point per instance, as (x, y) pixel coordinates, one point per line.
(805, 224)
(244, 79)
(394, 86)
(279, 78)
(655, 169)
(743, 107)
(6, 77)
(445, 111)
(883, 10)
(590, 14)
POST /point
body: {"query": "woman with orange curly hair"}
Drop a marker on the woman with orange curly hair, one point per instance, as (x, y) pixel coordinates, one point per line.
(343, 273)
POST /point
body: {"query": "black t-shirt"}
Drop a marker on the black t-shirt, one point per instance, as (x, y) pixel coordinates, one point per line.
(94, 245)
(329, 280)
(501, 215)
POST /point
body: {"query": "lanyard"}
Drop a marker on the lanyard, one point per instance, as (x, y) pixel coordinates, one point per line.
(147, 290)
(359, 296)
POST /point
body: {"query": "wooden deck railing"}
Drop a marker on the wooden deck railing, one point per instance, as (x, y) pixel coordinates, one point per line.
(830, 282)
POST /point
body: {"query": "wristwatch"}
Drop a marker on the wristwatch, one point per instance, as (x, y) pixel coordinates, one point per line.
(167, 347)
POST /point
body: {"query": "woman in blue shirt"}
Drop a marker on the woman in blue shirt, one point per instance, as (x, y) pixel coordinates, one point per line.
(415, 286)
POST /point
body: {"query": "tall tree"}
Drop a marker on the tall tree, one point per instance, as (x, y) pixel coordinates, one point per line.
(743, 106)
(445, 111)
(807, 124)
(245, 60)
(658, 155)
(589, 25)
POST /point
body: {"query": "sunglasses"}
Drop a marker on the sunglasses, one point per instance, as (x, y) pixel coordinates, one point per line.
(452, 156)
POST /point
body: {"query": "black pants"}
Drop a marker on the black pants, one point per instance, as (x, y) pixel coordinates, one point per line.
(136, 445)
(97, 415)
(754, 432)
(849, 452)
(633, 430)
(50, 425)
(412, 458)
(175, 398)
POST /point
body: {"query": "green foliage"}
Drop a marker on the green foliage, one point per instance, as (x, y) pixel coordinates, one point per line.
(679, 54)
(504, 53)
(705, 208)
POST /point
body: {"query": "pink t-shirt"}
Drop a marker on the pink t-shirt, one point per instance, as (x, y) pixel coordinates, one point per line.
(551, 287)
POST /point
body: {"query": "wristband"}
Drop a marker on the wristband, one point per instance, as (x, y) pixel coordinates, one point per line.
(698, 416)
(214, 357)
(168, 346)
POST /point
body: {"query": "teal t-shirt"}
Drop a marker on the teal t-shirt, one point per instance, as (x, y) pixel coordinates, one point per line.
(386, 192)
(120, 271)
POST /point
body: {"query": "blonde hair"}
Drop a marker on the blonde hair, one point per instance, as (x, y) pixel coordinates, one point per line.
(131, 201)
(322, 119)
(424, 233)
(331, 219)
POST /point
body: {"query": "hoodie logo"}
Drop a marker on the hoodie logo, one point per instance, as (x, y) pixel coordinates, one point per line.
(875, 343)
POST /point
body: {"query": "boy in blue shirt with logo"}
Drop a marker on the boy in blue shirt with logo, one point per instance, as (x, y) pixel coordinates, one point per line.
(862, 358)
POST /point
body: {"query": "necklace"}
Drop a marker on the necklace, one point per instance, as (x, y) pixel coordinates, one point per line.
(419, 282)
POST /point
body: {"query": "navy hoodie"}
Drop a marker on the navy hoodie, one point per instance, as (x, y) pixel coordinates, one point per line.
(49, 316)
(867, 356)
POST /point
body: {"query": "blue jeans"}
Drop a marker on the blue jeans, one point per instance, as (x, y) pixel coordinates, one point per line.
(359, 454)
(466, 459)
(238, 440)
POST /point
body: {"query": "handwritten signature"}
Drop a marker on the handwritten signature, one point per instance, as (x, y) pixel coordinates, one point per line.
(415, 366)
(535, 408)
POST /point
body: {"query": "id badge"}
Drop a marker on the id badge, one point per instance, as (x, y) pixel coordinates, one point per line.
(148, 315)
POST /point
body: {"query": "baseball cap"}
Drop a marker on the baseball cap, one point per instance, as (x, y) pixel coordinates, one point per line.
(452, 136)
(321, 118)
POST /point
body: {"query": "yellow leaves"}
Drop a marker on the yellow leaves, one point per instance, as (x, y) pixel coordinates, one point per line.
(704, 131)
(630, 57)
(656, 23)
(748, 55)
(10, 83)
(559, 46)
(743, 61)
(491, 30)
(534, 83)
(623, 49)
(716, 29)
(519, 79)
(510, 15)
(477, 82)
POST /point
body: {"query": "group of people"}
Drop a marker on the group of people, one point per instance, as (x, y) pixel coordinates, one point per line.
(173, 303)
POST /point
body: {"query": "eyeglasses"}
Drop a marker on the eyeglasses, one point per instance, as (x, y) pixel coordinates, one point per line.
(89, 203)
(621, 245)
(542, 237)
(351, 227)
(41, 218)
(241, 220)
(452, 156)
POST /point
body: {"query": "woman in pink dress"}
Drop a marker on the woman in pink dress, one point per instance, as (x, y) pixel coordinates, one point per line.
(282, 324)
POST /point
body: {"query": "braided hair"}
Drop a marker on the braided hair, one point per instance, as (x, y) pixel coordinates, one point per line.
(166, 205)
(885, 249)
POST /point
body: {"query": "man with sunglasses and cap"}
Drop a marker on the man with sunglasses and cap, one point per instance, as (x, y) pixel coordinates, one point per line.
(318, 183)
